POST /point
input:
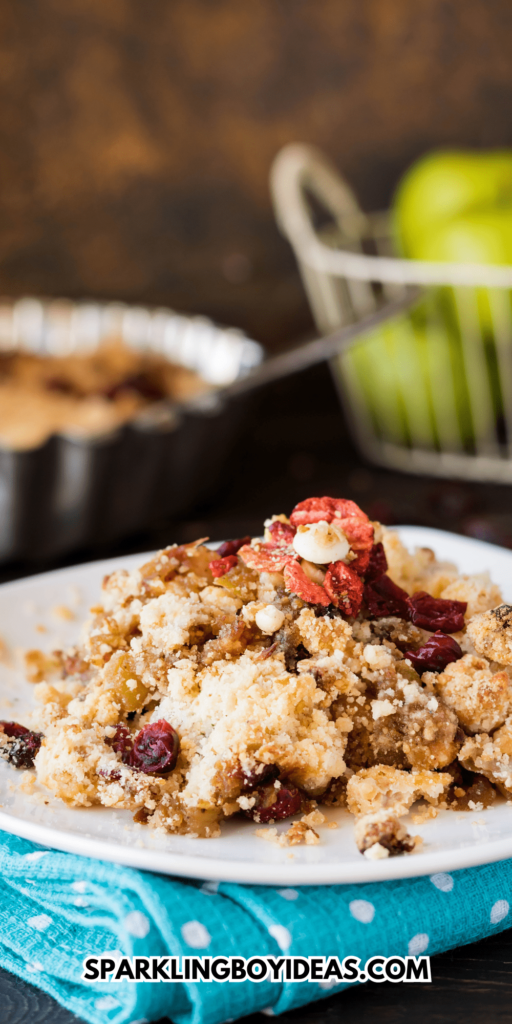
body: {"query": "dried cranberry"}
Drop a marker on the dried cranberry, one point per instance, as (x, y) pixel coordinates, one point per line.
(14, 729)
(155, 749)
(383, 598)
(435, 654)
(436, 614)
(220, 566)
(24, 746)
(360, 564)
(263, 773)
(121, 742)
(275, 804)
(344, 588)
(281, 533)
(377, 564)
(230, 547)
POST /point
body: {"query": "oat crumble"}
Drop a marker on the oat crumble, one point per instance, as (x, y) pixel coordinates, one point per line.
(322, 665)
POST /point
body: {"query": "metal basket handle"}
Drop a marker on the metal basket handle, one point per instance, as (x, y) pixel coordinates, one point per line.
(298, 169)
(339, 297)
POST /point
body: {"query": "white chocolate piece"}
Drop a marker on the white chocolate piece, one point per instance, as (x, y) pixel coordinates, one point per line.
(321, 543)
(376, 852)
(269, 619)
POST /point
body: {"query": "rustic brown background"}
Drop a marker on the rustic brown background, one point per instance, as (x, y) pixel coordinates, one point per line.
(136, 135)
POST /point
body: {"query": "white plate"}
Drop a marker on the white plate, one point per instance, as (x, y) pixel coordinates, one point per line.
(451, 841)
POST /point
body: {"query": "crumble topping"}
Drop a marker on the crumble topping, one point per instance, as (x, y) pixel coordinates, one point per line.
(322, 665)
(381, 834)
(84, 393)
(481, 698)
(491, 633)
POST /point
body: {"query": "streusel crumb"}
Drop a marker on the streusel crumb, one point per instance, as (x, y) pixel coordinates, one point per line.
(253, 681)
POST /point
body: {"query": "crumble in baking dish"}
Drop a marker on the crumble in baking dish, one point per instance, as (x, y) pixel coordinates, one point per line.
(84, 394)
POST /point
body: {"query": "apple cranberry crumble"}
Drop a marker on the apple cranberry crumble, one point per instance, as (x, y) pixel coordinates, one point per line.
(83, 393)
(324, 664)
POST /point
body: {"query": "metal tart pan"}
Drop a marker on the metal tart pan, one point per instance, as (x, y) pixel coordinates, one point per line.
(73, 492)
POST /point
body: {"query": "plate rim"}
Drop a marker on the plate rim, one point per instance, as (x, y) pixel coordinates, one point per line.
(250, 873)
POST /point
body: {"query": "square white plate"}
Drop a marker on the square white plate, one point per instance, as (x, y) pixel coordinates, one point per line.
(451, 841)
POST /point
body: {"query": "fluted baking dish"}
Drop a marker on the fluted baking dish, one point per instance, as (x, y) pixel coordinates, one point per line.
(71, 492)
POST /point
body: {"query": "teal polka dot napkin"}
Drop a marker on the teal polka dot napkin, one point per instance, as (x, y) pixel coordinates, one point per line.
(57, 908)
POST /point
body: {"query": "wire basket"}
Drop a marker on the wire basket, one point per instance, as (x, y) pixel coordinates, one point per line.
(429, 391)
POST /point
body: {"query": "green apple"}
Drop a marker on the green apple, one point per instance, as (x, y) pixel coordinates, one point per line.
(409, 375)
(456, 206)
(418, 378)
(478, 236)
(475, 236)
(444, 185)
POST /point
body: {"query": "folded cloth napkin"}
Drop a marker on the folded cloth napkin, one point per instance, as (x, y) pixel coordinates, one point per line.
(56, 908)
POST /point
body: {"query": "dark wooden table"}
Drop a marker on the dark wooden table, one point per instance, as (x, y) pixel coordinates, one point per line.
(295, 444)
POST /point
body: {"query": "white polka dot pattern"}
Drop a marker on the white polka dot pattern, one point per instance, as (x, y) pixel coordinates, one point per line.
(79, 886)
(40, 922)
(210, 887)
(442, 881)
(449, 903)
(106, 1003)
(35, 968)
(114, 954)
(499, 911)
(281, 935)
(196, 935)
(418, 944)
(137, 924)
(330, 983)
(362, 910)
